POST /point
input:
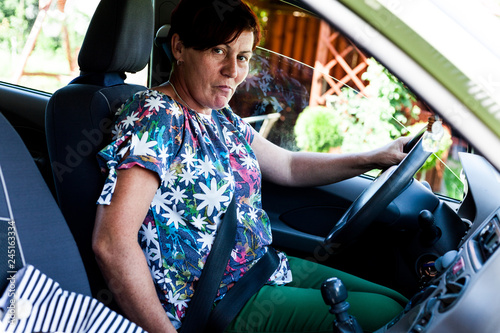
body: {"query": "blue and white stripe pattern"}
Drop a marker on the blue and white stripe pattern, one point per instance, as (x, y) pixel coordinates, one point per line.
(37, 303)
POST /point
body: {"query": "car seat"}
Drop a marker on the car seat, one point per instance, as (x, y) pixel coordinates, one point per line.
(79, 116)
(45, 239)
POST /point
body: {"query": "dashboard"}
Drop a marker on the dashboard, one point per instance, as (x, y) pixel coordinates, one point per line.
(464, 295)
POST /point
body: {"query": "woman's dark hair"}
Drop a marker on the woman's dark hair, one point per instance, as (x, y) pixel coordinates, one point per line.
(202, 24)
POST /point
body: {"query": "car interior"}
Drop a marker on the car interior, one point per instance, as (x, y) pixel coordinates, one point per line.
(47, 242)
(53, 181)
(78, 116)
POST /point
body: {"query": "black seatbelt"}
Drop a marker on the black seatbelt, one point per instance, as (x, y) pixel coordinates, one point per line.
(207, 286)
(240, 293)
(199, 316)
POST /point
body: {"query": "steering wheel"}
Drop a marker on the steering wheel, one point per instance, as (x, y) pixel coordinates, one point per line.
(378, 195)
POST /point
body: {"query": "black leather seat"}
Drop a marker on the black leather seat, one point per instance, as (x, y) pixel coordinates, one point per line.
(45, 238)
(78, 116)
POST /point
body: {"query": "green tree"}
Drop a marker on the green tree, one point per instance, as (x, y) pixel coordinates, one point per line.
(378, 116)
(318, 129)
(16, 19)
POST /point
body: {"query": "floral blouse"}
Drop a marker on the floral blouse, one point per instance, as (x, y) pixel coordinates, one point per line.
(200, 173)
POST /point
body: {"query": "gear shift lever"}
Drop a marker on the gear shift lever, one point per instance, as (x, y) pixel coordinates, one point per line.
(335, 294)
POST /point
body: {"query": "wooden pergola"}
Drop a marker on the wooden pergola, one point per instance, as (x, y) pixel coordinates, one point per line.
(338, 62)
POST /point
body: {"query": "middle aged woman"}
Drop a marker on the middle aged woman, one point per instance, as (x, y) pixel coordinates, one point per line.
(172, 173)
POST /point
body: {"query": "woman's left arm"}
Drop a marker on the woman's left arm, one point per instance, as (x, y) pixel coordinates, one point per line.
(312, 169)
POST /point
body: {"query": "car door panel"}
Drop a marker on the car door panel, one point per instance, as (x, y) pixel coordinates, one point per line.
(25, 110)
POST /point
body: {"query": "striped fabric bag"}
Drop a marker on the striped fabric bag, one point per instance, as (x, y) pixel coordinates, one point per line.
(32, 302)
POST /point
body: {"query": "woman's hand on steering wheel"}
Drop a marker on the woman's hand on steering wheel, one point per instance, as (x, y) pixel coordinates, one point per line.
(380, 193)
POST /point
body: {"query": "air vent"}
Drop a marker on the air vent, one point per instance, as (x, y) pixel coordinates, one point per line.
(489, 238)
(454, 289)
(484, 244)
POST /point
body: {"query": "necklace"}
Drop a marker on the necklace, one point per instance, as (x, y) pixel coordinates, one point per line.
(177, 94)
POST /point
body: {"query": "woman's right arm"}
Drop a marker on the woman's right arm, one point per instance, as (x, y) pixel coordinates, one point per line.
(119, 254)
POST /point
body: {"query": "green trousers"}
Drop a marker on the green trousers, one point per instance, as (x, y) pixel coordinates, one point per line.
(299, 306)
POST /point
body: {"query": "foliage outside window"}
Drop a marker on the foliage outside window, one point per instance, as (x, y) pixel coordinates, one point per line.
(40, 41)
(318, 130)
(364, 122)
(377, 118)
(356, 122)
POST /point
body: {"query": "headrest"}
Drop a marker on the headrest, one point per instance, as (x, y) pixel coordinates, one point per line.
(119, 38)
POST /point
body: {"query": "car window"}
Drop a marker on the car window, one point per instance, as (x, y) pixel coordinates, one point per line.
(38, 49)
(337, 100)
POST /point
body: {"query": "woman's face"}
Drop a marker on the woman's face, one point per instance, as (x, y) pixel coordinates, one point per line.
(209, 78)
